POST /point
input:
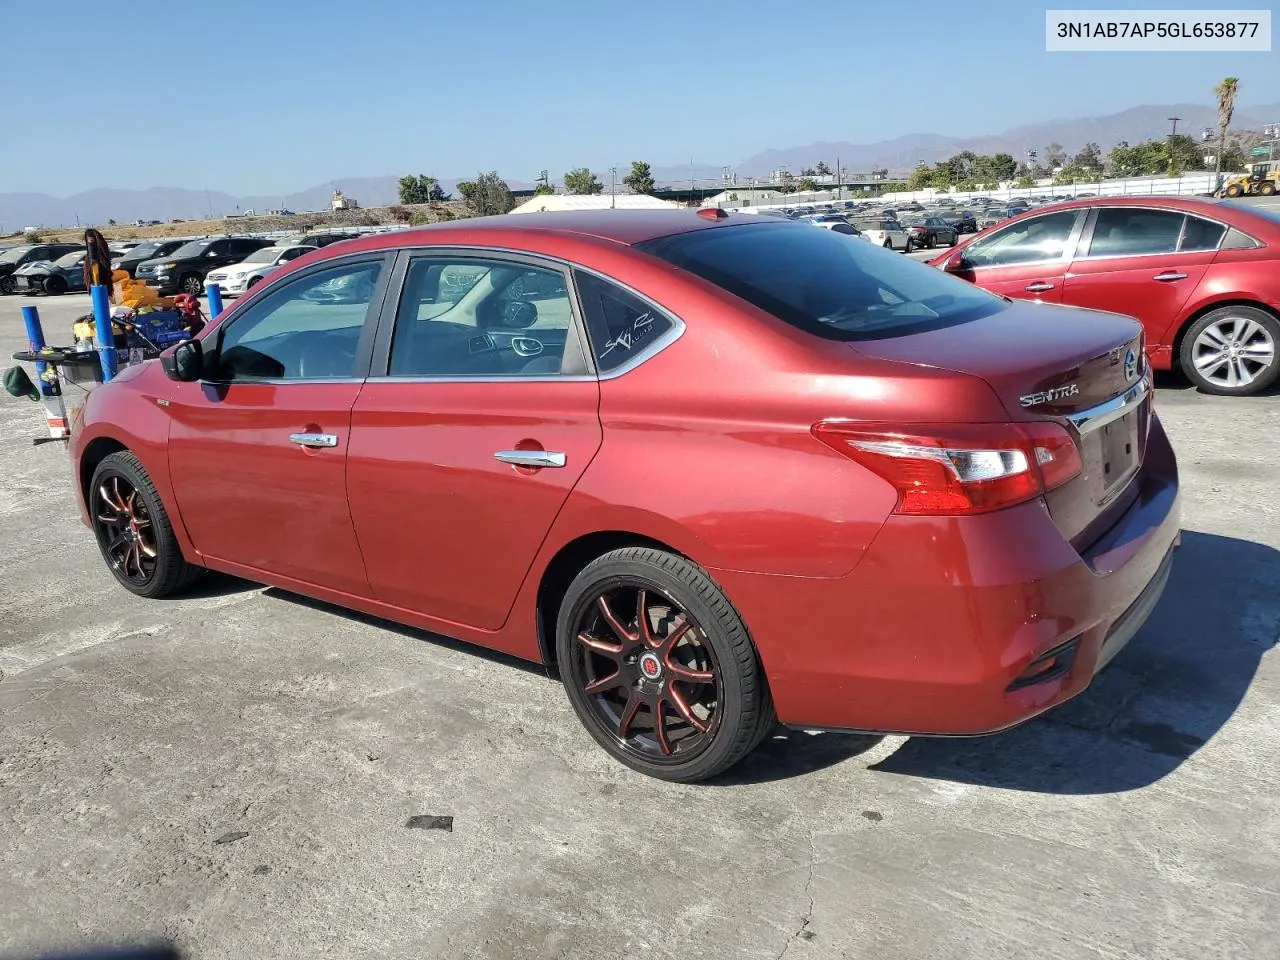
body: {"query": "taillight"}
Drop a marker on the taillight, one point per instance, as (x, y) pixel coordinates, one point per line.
(955, 468)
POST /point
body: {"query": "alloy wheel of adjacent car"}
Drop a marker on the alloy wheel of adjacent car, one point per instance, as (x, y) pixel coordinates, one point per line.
(55, 286)
(1232, 351)
(658, 666)
(7, 285)
(253, 282)
(133, 529)
(192, 284)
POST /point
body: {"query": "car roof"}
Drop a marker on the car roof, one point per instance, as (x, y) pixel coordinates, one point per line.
(626, 227)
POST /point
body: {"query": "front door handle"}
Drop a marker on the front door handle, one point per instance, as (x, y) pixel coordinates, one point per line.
(531, 458)
(318, 440)
(1169, 276)
(1040, 286)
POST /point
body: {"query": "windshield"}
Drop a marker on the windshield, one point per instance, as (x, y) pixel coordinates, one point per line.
(192, 249)
(141, 251)
(14, 255)
(70, 259)
(827, 283)
(265, 255)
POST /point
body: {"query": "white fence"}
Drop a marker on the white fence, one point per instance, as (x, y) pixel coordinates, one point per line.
(1191, 184)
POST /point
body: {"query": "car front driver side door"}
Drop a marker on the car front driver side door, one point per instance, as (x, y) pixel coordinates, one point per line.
(1026, 260)
(257, 450)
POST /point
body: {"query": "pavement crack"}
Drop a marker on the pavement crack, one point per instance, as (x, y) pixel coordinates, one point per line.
(807, 918)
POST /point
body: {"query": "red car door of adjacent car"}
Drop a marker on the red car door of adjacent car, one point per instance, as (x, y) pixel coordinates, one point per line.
(1026, 259)
(463, 455)
(257, 454)
(1143, 262)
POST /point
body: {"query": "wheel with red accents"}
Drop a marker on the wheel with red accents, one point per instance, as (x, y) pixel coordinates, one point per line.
(659, 666)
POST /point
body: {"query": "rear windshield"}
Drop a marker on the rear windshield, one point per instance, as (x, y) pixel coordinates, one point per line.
(829, 284)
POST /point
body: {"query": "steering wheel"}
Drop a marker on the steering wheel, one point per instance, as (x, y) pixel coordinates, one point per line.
(328, 355)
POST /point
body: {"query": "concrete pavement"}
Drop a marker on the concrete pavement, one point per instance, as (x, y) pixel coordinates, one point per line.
(1140, 821)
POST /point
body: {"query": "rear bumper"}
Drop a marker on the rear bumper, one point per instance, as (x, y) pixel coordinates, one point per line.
(943, 614)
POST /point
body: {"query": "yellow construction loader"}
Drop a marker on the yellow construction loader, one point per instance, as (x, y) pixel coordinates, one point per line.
(1263, 179)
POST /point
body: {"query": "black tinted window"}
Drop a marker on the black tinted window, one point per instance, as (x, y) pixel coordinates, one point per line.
(1133, 231)
(1199, 234)
(621, 325)
(834, 286)
(1037, 238)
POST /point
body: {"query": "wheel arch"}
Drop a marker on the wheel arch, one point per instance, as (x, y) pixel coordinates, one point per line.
(95, 451)
(1200, 311)
(566, 564)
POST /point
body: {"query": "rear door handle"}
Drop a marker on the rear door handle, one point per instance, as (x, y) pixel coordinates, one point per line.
(1040, 286)
(531, 458)
(318, 440)
(1169, 275)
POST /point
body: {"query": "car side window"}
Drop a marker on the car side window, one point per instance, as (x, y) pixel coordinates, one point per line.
(620, 324)
(478, 317)
(1037, 238)
(1201, 234)
(292, 254)
(1134, 231)
(307, 330)
(219, 248)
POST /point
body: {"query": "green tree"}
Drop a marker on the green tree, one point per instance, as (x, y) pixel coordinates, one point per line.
(1233, 159)
(421, 189)
(1055, 156)
(582, 182)
(806, 185)
(487, 195)
(822, 169)
(543, 189)
(808, 172)
(640, 179)
(111, 223)
(1025, 182)
(1226, 93)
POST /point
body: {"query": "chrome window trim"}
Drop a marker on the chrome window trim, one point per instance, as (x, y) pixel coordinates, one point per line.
(540, 378)
(281, 381)
(1096, 417)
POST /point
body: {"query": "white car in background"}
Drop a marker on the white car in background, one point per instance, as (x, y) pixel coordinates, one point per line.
(886, 233)
(243, 276)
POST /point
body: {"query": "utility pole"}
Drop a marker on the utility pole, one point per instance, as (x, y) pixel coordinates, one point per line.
(1173, 133)
(839, 181)
(613, 188)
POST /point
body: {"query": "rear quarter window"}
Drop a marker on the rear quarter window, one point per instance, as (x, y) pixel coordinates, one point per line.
(833, 286)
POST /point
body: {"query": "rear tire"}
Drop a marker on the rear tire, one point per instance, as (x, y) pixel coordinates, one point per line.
(7, 286)
(1232, 351)
(689, 629)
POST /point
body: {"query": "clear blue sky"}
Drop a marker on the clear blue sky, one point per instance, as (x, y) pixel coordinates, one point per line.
(269, 96)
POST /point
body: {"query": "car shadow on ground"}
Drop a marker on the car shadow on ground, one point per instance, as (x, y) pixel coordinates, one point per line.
(413, 633)
(1175, 686)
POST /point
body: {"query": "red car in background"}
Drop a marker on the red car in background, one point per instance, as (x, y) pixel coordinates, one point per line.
(716, 470)
(1203, 277)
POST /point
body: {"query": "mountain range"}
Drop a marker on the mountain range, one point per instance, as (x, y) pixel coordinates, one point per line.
(18, 210)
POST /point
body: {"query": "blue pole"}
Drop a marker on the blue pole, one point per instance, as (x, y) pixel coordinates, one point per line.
(35, 336)
(214, 293)
(103, 332)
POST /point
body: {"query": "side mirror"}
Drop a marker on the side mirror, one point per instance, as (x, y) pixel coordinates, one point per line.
(184, 362)
(958, 264)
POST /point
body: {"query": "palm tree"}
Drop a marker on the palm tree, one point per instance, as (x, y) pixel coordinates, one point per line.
(1226, 92)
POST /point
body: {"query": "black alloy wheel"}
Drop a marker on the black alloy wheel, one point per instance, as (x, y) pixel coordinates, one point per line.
(7, 285)
(133, 530)
(658, 666)
(55, 286)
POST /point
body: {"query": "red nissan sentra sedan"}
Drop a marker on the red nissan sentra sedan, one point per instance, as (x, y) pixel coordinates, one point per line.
(718, 471)
(1203, 277)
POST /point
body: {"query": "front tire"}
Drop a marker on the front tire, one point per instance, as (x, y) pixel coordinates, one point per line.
(658, 666)
(1232, 351)
(253, 282)
(7, 286)
(55, 286)
(1235, 190)
(192, 284)
(133, 529)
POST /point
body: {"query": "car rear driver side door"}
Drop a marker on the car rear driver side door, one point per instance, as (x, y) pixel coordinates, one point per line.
(466, 445)
(258, 450)
(1026, 260)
